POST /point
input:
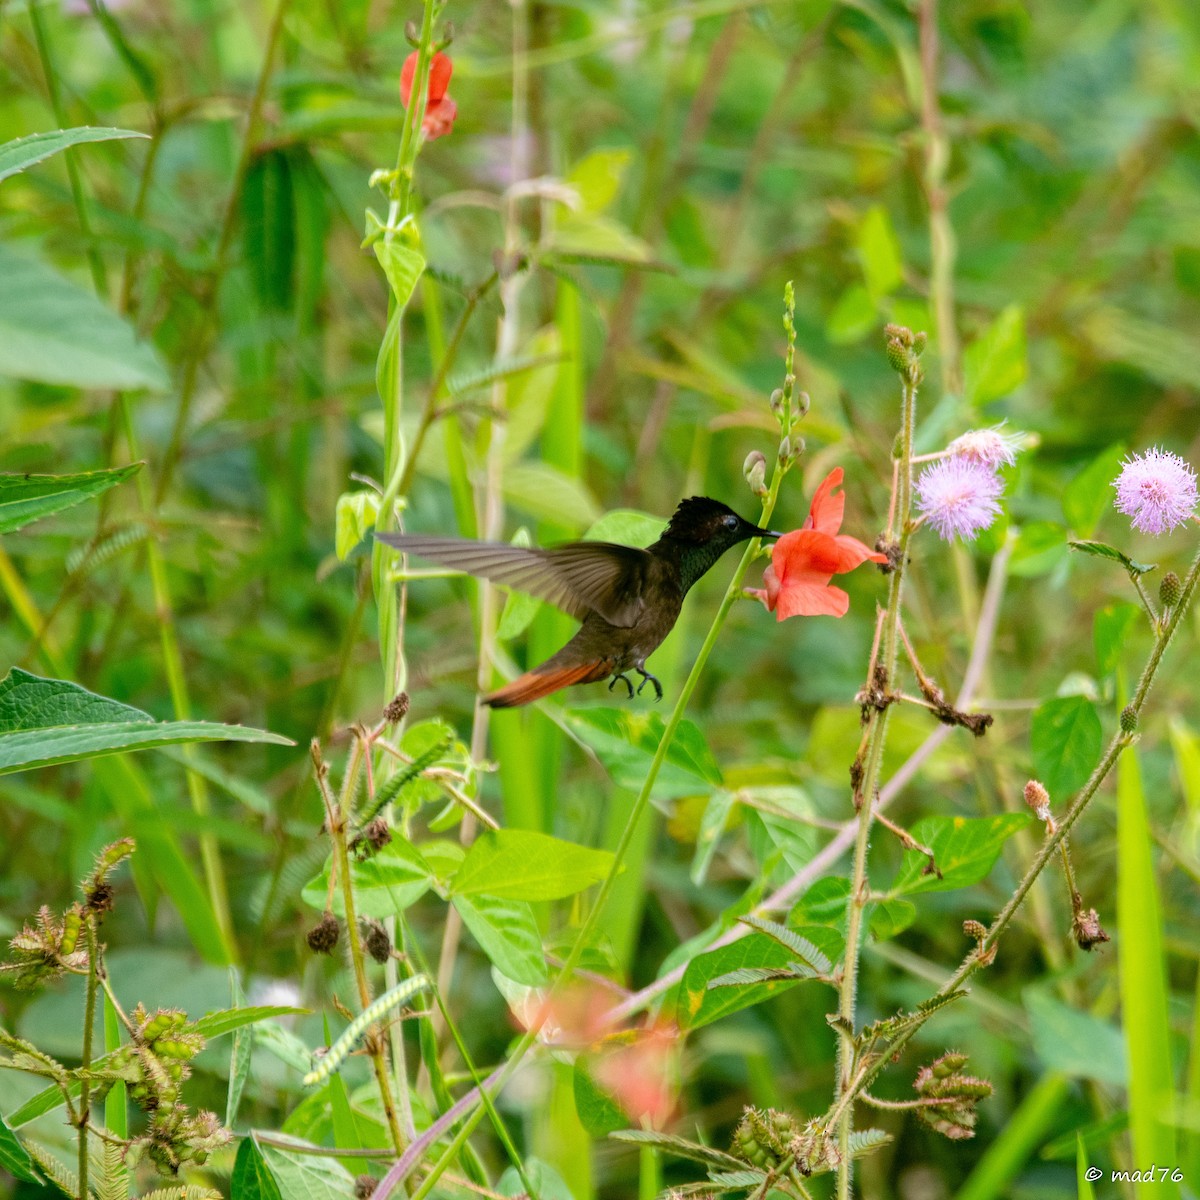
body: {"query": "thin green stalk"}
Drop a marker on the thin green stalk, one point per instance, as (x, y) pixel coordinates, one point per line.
(95, 262)
(85, 1065)
(883, 673)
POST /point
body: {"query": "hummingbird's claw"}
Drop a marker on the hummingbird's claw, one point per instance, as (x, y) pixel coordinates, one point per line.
(625, 680)
(648, 678)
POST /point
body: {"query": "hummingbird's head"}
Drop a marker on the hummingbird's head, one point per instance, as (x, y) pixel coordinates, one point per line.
(704, 522)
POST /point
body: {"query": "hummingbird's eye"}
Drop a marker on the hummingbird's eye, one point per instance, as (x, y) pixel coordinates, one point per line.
(730, 522)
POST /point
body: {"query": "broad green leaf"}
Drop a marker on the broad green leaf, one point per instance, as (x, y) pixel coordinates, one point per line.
(548, 494)
(1064, 737)
(548, 1182)
(994, 364)
(1073, 1041)
(593, 235)
(403, 267)
(48, 721)
(22, 153)
(890, 917)
(308, 1176)
(879, 253)
(1087, 497)
(252, 1178)
(517, 615)
(354, 517)
(824, 903)
(1143, 980)
(384, 885)
(1039, 547)
(53, 331)
(716, 815)
(239, 1054)
(1111, 628)
(598, 1112)
(14, 1158)
(26, 498)
(1103, 550)
(508, 934)
(597, 178)
(626, 526)
(965, 848)
(625, 740)
(521, 864)
(701, 1005)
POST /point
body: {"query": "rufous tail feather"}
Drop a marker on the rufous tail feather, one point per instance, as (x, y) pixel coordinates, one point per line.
(533, 685)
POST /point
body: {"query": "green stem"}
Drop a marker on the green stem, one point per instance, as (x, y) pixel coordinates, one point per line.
(883, 672)
(85, 1065)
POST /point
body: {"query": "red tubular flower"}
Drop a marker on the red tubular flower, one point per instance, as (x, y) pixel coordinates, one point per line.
(803, 562)
(440, 110)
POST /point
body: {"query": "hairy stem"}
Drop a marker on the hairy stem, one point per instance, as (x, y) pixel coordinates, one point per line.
(85, 1065)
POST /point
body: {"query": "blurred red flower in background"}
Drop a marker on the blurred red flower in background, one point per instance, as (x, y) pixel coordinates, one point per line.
(804, 561)
(440, 110)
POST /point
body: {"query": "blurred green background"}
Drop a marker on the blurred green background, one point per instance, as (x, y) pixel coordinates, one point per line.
(718, 149)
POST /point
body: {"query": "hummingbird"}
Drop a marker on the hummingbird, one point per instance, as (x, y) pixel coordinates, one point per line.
(627, 598)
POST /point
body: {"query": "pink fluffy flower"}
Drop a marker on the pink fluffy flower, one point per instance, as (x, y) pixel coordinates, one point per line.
(958, 497)
(990, 448)
(1157, 489)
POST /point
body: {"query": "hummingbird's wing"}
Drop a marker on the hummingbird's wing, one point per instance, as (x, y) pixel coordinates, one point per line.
(579, 578)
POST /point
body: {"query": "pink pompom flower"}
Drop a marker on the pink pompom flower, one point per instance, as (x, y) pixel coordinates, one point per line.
(958, 497)
(1157, 489)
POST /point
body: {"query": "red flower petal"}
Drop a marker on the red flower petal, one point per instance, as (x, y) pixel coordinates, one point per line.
(812, 600)
(826, 511)
(439, 118)
(854, 553)
(440, 70)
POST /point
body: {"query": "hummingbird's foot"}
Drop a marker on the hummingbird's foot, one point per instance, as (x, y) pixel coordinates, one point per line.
(625, 680)
(648, 678)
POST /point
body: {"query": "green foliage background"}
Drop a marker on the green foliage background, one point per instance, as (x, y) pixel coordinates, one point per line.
(719, 149)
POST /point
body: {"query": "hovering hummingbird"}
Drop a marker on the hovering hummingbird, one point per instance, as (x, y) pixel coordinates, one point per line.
(627, 598)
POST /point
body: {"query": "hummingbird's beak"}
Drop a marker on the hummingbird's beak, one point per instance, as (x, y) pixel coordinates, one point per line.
(767, 533)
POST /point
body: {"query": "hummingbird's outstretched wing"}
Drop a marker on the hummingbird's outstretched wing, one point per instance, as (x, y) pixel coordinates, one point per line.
(579, 578)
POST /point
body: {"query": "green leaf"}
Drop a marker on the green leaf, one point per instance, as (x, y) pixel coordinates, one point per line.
(1064, 737)
(625, 740)
(22, 153)
(965, 848)
(598, 1112)
(252, 1178)
(592, 235)
(1073, 1041)
(1087, 497)
(519, 610)
(700, 1005)
(403, 267)
(1082, 1178)
(48, 721)
(239, 1055)
(626, 526)
(548, 494)
(1111, 629)
(709, 1156)
(879, 254)
(854, 315)
(52, 331)
(1103, 550)
(994, 364)
(521, 864)
(597, 177)
(385, 884)
(530, 390)
(716, 815)
(308, 1176)
(508, 934)
(547, 1182)
(891, 917)
(354, 517)
(824, 903)
(27, 498)
(801, 948)
(14, 1158)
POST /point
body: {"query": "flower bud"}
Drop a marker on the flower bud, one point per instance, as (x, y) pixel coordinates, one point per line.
(375, 939)
(897, 355)
(754, 470)
(803, 404)
(918, 343)
(397, 709)
(899, 333)
(1169, 590)
(1089, 933)
(777, 400)
(1129, 719)
(785, 448)
(976, 930)
(1038, 799)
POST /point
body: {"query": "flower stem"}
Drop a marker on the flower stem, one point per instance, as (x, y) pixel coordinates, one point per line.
(865, 792)
(85, 1065)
